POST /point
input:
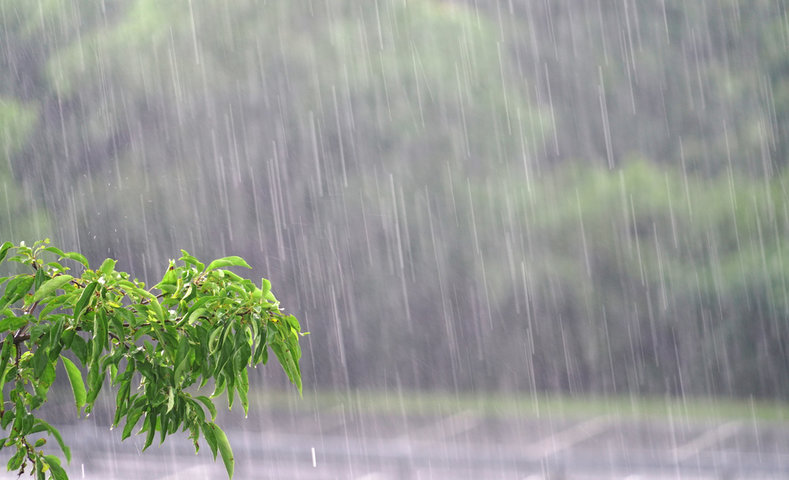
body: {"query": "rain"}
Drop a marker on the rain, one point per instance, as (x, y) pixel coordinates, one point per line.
(529, 239)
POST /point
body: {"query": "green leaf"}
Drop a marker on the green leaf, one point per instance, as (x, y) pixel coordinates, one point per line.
(4, 249)
(195, 407)
(121, 400)
(75, 378)
(40, 360)
(265, 286)
(224, 449)
(55, 250)
(131, 288)
(126, 317)
(234, 278)
(186, 258)
(55, 433)
(170, 400)
(219, 387)
(84, 299)
(79, 346)
(261, 351)
(208, 404)
(242, 387)
(5, 356)
(16, 288)
(55, 303)
(194, 315)
(95, 382)
(48, 287)
(288, 359)
(150, 422)
(269, 296)
(54, 466)
(8, 417)
(99, 340)
(55, 333)
(232, 261)
(39, 278)
(165, 423)
(181, 357)
(68, 337)
(116, 322)
(39, 468)
(157, 310)
(77, 257)
(131, 420)
(107, 266)
(14, 323)
(293, 322)
(210, 438)
(39, 333)
(47, 376)
(21, 414)
(214, 341)
(16, 460)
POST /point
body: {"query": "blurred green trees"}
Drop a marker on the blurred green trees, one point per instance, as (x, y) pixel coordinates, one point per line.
(552, 195)
(652, 281)
(19, 217)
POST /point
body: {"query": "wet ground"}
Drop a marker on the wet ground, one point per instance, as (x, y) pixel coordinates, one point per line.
(464, 445)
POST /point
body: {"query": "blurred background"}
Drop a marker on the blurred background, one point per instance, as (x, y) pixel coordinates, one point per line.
(479, 197)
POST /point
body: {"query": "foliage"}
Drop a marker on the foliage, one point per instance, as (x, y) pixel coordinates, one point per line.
(158, 346)
(364, 94)
(680, 82)
(648, 280)
(394, 152)
(17, 124)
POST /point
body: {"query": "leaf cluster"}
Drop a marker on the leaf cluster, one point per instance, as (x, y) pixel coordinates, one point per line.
(156, 346)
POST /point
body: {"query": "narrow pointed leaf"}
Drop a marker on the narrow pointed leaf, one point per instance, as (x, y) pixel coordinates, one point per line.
(4, 249)
(55, 433)
(131, 420)
(15, 289)
(232, 261)
(208, 404)
(48, 287)
(224, 449)
(54, 466)
(55, 250)
(84, 299)
(77, 257)
(75, 378)
(107, 266)
(150, 422)
(13, 323)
